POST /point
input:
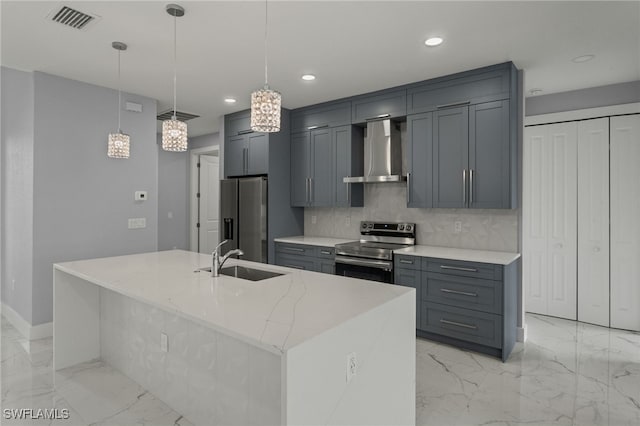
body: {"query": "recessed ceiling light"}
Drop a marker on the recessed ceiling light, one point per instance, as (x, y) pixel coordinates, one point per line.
(230, 100)
(308, 77)
(583, 58)
(433, 41)
(535, 91)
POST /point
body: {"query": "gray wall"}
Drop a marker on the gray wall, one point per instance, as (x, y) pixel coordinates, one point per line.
(613, 94)
(17, 189)
(204, 141)
(173, 199)
(82, 198)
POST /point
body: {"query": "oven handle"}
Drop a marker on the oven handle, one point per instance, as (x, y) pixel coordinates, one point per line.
(378, 264)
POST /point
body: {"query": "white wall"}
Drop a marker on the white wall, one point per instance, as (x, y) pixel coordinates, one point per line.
(17, 190)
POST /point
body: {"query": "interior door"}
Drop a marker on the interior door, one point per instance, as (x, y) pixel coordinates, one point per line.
(593, 221)
(209, 202)
(625, 223)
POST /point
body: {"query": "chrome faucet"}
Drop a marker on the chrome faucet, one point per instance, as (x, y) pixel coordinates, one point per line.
(218, 262)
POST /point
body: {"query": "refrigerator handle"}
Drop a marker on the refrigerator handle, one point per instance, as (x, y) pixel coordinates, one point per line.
(228, 228)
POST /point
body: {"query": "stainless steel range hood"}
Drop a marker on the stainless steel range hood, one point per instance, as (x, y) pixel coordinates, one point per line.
(382, 154)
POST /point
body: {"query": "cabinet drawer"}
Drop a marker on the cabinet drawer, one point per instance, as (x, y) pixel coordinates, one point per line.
(464, 292)
(470, 89)
(326, 267)
(463, 324)
(326, 252)
(406, 262)
(331, 115)
(463, 268)
(237, 124)
(297, 249)
(391, 104)
(295, 262)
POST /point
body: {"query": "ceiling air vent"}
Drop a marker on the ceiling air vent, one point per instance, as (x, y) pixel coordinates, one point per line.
(71, 18)
(182, 116)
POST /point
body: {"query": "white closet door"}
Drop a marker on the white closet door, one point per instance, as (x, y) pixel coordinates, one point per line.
(550, 219)
(625, 222)
(593, 221)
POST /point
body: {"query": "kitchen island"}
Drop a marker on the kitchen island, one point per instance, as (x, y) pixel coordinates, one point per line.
(299, 348)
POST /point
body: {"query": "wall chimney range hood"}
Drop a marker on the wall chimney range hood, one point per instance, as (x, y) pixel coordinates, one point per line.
(382, 154)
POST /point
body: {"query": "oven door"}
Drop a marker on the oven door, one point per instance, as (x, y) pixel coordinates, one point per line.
(366, 269)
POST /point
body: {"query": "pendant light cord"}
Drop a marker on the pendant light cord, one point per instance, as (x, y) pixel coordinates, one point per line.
(119, 92)
(175, 63)
(266, 72)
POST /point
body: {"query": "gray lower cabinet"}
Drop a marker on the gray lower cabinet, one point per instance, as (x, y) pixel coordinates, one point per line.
(308, 258)
(466, 304)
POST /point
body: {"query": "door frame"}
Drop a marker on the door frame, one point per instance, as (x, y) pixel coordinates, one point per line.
(194, 155)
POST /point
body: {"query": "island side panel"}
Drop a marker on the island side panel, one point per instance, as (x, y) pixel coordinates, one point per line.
(76, 320)
(207, 376)
(383, 390)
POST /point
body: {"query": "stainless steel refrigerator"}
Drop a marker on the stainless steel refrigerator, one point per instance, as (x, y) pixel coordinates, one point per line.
(243, 214)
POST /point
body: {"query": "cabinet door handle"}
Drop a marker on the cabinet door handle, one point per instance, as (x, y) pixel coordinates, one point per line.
(306, 190)
(462, 293)
(245, 132)
(325, 252)
(470, 187)
(244, 161)
(321, 126)
(464, 187)
(458, 268)
(293, 249)
(406, 262)
(348, 192)
(311, 194)
(454, 104)
(294, 266)
(378, 117)
(408, 187)
(459, 324)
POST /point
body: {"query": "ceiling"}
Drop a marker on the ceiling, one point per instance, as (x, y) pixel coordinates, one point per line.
(352, 47)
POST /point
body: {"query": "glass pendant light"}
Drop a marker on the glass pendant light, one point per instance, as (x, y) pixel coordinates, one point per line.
(174, 131)
(118, 145)
(265, 103)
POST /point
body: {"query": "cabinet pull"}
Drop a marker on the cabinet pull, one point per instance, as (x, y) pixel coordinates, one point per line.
(464, 187)
(408, 188)
(325, 252)
(459, 324)
(458, 268)
(470, 187)
(311, 190)
(294, 266)
(294, 249)
(378, 117)
(321, 126)
(407, 262)
(246, 167)
(245, 132)
(306, 190)
(454, 104)
(462, 293)
(348, 192)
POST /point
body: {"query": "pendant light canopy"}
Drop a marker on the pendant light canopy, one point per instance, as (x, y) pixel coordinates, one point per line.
(265, 103)
(119, 143)
(174, 131)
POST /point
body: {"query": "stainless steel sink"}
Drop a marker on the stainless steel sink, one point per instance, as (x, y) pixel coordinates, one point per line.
(245, 273)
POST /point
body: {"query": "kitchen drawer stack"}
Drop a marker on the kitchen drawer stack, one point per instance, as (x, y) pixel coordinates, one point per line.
(306, 257)
(466, 304)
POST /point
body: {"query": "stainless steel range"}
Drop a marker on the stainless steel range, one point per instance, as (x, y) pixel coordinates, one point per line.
(371, 258)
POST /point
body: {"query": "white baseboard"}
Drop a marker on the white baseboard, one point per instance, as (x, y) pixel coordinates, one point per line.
(28, 331)
(521, 335)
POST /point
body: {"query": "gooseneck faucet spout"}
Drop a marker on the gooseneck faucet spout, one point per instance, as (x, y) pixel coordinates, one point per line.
(218, 261)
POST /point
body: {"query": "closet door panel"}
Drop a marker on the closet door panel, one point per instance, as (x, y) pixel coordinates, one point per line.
(593, 221)
(625, 222)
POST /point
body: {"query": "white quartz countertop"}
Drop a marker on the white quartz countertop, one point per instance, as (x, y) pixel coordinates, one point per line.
(277, 314)
(313, 241)
(482, 256)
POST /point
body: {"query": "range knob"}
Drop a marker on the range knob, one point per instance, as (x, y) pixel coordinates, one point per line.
(370, 226)
(408, 228)
(402, 227)
(364, 226)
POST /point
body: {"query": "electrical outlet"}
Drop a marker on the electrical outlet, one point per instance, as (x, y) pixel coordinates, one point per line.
(352, 366)
(164, 342)
(348, 221)
(457, 227)
(137, 222)
(314, 219)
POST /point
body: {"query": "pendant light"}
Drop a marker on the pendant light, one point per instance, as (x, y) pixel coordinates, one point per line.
(174, 131)
(118, 145)
(265, 103)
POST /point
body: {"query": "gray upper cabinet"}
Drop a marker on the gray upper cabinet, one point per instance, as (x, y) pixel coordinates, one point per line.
(418, 157)
(390, 103)
(331, 114)
(450, 157)
(312, 170)
(470, 87)
(234, 155)
(348, 152)
(246, 152)
(300, 169)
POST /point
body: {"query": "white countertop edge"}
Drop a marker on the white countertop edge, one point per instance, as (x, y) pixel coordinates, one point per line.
(469, 255)
(314, 241)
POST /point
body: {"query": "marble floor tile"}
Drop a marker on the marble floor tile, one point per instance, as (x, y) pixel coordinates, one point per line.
(567, 373)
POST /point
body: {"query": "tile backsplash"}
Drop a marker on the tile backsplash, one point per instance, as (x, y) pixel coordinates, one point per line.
(481, 229)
